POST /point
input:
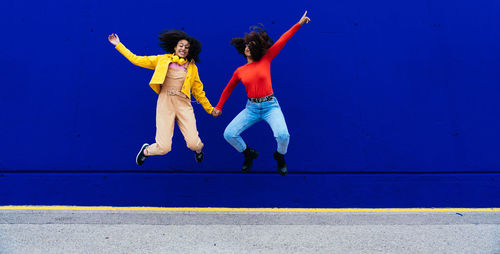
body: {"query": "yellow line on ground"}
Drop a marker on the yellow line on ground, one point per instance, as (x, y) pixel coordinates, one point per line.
(216, 209)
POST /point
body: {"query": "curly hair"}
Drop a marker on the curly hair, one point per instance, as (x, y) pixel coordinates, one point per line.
(258, 42)
(170, 38)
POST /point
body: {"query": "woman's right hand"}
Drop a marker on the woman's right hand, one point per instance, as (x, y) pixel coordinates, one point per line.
(113, 38)
(216, 112)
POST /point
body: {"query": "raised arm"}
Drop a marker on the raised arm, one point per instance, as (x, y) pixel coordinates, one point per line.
(148, 62)
(273, 51)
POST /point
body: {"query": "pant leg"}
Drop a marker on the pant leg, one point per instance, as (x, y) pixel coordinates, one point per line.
(246, 118)
(274, 117)
(165, 119)
(187, 122)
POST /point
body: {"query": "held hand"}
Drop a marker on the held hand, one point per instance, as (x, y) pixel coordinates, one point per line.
(304, 19)
(113, 38)
(216, 112)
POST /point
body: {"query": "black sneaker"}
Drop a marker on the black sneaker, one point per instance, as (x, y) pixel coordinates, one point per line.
(198, 156)
(280, 158)
(250, 155)
(141, 158)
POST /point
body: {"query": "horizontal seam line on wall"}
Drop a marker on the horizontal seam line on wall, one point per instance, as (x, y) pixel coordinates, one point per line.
(239, 172)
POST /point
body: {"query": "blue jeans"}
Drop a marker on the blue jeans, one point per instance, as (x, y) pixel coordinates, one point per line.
(270, 111)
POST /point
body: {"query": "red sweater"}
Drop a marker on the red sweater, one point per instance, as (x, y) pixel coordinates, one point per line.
(256, 76)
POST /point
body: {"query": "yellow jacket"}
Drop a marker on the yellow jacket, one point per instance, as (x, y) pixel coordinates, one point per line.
(160, 63)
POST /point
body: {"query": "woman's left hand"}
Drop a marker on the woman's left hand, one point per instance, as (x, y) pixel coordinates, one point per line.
(304, 19)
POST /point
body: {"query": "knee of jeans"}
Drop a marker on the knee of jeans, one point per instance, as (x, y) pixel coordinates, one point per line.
(229, 134)
(283, 137)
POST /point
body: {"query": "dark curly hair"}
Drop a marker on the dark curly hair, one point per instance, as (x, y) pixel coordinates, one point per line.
(170, 38)
(258, 42)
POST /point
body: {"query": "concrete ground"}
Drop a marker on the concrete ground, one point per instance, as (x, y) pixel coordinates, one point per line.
(74, 231)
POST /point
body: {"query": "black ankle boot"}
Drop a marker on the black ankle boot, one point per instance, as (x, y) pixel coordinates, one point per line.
(198, 156)
(250, 155)
(280, 158)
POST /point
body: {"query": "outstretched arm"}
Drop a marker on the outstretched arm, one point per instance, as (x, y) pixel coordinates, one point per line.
(142, 61)
(199, 94)
(227, 91)
(273, 51)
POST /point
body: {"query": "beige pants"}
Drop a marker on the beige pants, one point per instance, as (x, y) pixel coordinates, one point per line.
(173, 106)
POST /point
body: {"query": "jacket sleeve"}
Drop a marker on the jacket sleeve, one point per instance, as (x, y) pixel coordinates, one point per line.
(199, 94)
(148, 62)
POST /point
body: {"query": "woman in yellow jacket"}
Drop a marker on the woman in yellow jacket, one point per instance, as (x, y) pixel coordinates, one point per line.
(175, 76)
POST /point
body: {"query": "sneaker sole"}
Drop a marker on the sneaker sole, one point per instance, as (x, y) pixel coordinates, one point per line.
(139, 153)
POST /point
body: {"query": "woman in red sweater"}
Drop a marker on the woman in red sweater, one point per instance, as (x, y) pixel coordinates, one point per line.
(259, 51)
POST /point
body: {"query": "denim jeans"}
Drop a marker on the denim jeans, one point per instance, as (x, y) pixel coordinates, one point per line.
(269, 111)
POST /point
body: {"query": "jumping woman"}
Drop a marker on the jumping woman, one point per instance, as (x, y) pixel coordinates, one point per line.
(259, 50)
(175, 77)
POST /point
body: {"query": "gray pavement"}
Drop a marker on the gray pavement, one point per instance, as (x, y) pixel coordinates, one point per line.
(41, 231)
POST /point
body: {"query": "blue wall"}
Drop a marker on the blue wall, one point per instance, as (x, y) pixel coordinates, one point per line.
(403, 87)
